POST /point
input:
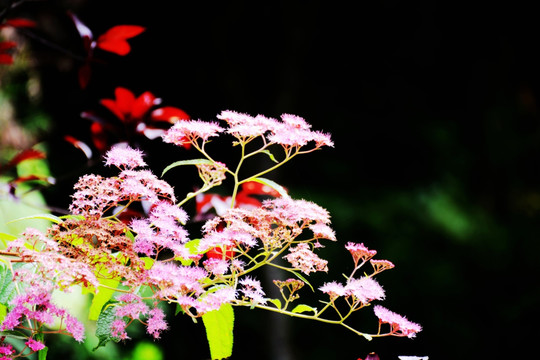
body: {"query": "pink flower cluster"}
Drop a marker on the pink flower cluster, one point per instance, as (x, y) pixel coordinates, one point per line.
(291, 131)
(400, 326)
(34, 304)
(96, 195)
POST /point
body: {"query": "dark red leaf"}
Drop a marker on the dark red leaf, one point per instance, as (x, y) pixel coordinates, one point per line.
(7, 45)
(99, 137)
(114, 39)
(20, 22)
(142, 104)
(169, 114)
(6, 59)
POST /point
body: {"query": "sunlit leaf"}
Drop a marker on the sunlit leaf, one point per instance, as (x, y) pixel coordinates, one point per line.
(301, 308)
(276, 302)
(219, 331)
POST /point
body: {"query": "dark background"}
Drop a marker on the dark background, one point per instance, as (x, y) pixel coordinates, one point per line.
(432, 108)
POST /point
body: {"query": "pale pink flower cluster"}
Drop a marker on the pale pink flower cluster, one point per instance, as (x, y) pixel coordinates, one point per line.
(302, 258)
(360, 252)
(54, 266)
(251, 288)
(161, 230)
(292, 130)
(191, 131)
(95, 195)
(124, 157)
(399, 324)
(364, 289)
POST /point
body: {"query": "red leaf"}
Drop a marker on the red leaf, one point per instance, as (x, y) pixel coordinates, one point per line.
(6, 59)
(111, 105)
(169, 114)
(7, 45)
(99, 137)
(20, 22)
(142, 104)
(124, 99)
(114, 39)
(26, 155)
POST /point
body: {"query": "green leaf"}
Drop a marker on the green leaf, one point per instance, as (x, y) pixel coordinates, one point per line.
(4, 237)
(186, 162)
(103, 326)
(103, 295)
(49, 217)
(7, 286)
(276, 302)
(303, 308)
(219, 331)
(270, 155)
(303, 279)
(274, 185)
(192, 246)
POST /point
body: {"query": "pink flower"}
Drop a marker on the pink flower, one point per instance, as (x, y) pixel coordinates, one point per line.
(400, 326)
(365, 289)
(252, 289)
(118, 329)
(334, 289)
(156, 323)
(191, 130)
(360, 252)
(305, 260)
(34, 345)
(6, 349)
(133, 308)
(123, 156)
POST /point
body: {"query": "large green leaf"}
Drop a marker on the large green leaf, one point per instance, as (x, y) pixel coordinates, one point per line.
(219, 326)
(103, 295)
(103, 326)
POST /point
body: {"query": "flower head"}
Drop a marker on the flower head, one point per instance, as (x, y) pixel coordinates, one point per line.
(302, 258)
(399, 324)
(123, 156)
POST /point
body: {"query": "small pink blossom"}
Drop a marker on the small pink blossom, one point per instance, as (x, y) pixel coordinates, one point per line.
(118, 329)
(213, 300)
(6, 349)
(123, 156)
(399, 324)
(321, 230)
(302, 258)
(365, 289)
(191, 130)
(333, 289)
(252, 289)
(34, 345)
(360, 252)
(216, 266)
(156, 323)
